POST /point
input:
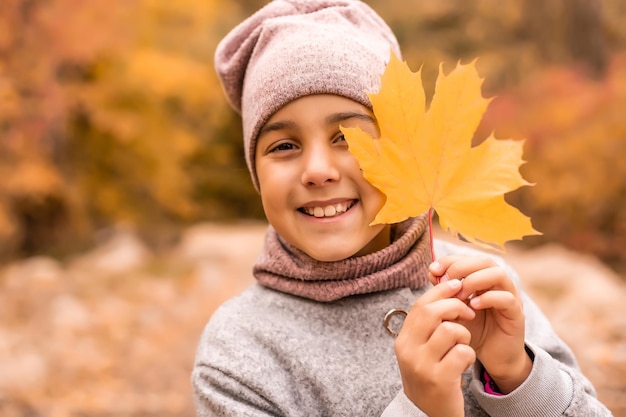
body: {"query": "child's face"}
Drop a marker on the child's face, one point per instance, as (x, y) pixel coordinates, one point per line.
(312, 188)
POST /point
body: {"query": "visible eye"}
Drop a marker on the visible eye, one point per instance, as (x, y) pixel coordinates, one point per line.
(281, 147)
(340, 138)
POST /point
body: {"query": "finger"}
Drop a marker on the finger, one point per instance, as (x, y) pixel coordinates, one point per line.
(439, 303)
(458, 359)
(437, 273)
(507, 304)
(423, 319)
(460, 266)
(445, 337)
(439, 292)
(491, 278)
(426, 358)
(434, 306)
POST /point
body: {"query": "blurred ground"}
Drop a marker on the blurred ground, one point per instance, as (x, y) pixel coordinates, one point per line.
(113, 332)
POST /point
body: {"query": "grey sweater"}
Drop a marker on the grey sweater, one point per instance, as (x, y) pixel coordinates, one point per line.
(267, 353)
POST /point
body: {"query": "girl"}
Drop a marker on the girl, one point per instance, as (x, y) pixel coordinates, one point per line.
(312, 338)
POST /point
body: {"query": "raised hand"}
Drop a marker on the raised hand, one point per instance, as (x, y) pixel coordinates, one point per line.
(497, 330)
(433, 350)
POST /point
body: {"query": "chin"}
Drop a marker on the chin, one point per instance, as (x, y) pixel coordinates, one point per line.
(325, 256)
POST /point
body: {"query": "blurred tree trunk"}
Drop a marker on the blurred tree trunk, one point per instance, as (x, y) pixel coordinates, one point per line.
(567, 31)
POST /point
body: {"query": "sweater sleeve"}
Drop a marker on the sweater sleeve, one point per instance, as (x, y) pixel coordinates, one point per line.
(218, 394)
(555, 386)
(221, 384)
(401, 406)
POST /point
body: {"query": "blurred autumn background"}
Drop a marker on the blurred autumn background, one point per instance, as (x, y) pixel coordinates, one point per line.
(127, 214)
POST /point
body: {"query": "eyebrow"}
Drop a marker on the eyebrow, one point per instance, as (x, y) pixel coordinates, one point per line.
(340, 117)
(331, 119)
(272, 127)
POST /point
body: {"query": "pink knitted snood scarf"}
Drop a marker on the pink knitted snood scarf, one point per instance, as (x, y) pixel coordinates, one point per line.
(403, 264)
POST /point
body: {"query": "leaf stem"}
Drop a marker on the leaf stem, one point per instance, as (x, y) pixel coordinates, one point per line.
(430, 233)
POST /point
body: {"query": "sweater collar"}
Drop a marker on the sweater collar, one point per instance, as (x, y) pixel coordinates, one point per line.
(402, 264)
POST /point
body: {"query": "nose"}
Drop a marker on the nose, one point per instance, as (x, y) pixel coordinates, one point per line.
(320, 166)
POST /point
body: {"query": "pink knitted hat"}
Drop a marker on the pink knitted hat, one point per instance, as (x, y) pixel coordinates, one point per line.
(293, 48)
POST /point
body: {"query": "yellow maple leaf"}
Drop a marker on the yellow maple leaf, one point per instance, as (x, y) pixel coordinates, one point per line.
(424, 159)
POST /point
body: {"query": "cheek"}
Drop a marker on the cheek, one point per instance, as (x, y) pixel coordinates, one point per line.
(373, 198)
(270, 200)
(267, 181)
(274, 198)
(377, 199)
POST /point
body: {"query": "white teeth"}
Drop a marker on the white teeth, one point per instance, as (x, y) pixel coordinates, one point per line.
(327, 211)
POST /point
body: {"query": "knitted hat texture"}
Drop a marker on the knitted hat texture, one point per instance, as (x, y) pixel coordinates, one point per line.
(294, 48)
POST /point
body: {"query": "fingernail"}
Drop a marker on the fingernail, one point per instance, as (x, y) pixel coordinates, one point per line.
(454, 283)
(445, 278)
(435, 266)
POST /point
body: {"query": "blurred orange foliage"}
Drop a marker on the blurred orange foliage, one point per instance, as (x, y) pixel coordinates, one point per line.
(576, 147)
(111, 112)
(107, 112)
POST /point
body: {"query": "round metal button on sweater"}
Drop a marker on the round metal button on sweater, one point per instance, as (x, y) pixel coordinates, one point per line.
(392, 322)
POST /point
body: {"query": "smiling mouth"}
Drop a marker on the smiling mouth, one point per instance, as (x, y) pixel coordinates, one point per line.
(330, 210)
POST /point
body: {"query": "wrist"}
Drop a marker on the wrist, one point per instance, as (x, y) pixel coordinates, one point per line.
(516, 373)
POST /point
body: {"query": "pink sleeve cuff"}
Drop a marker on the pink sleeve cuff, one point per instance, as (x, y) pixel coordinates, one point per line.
(490, 386)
